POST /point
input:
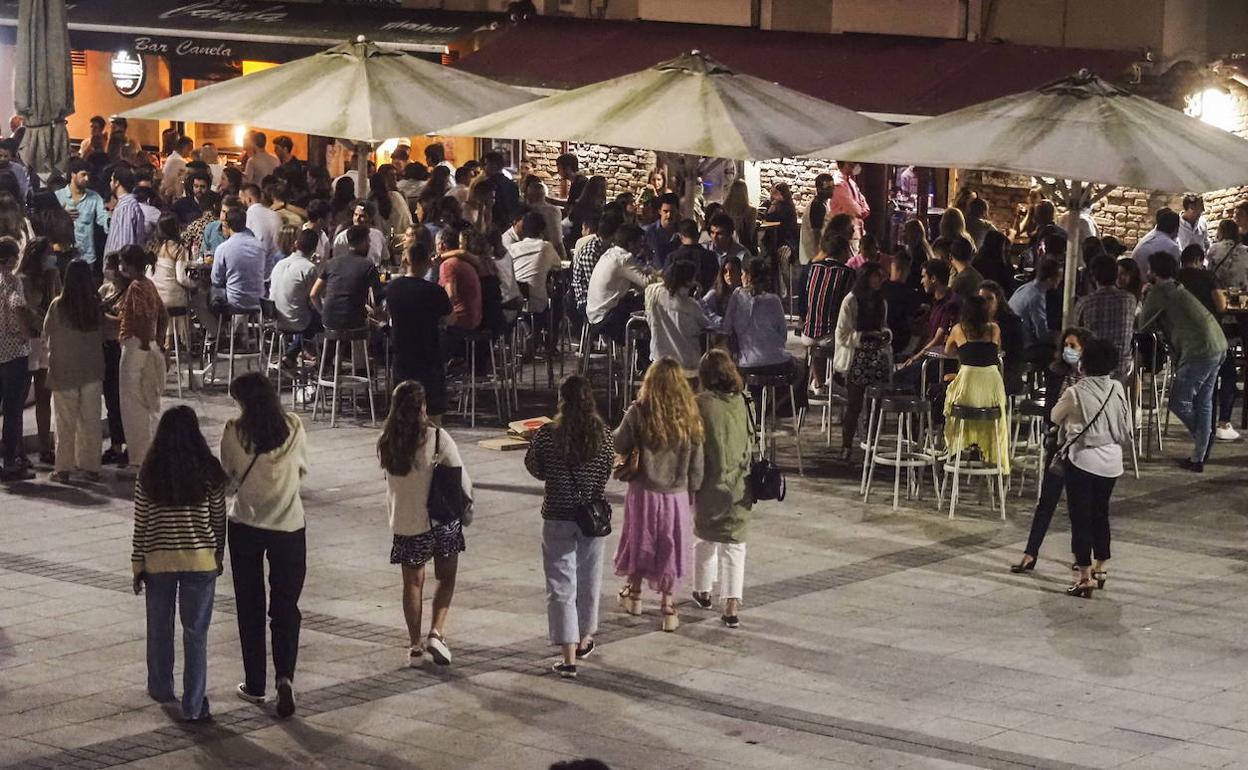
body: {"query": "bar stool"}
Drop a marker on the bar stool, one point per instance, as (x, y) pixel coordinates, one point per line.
(590, 335)
(274, 340)
(767, 384)
(872, 398)
(1150, 363)
(956, 466)
(250, 318)
(910, 449)
(636, 333)
(338, 380)
(825, 402)
(180, 319)
(468, 389)
(1029, 413)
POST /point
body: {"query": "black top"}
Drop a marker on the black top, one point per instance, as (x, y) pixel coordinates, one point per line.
(903, 306)
(506, 199)
(703, 259)
(575, 188)
(563, 491)
(996, 270)
(966, 283)
(416, 306)
(347, 281)
(1200, 284)
(978, 353)
(1013, 345)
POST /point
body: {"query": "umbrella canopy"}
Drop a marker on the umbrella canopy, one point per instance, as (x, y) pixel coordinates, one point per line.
(1081, 128)
(692, 105)
(43, 84)
(354, 91)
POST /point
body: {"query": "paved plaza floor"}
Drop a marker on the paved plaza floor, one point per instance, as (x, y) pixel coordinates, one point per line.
(870, 637)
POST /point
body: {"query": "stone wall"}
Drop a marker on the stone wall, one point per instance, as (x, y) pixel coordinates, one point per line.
(625, 169)
(800, 173)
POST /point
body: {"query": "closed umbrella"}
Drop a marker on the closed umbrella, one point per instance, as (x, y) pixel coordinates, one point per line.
(43, 85)
(356, 91)
(692, 105)
(1082, 129)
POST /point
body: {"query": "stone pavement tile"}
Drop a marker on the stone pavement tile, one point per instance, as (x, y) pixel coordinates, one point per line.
(956, 729)
(1202, 755)
(1057, 749)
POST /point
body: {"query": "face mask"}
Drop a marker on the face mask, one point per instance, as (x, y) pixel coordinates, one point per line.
(1070, 356)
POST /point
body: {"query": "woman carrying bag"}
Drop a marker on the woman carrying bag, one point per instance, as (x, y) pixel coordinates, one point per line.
(264, 452)
(723, 501)
(863, 348)
(411, 450)
(573, 455)
(660, 438)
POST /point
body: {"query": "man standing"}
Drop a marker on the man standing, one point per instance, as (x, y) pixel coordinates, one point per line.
(97, 141)
(287, 163)
(812, 223)
(1163, 237)
(568, 167)
(261, 163)
(118, 133)
(263, 222)
(1199, 347)
(85, 207)
(128, 224)
(1193, 228)
(848, 199)
(1109, 312)
(435, 155)
(175, 166)
(706, 264)
(660, 234)
(507, 194)
(362, 215)
(828, 282)
(977, 224)
(239, 265)
(8, 153)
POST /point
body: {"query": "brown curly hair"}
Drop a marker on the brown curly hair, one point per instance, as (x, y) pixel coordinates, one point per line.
(669, 413)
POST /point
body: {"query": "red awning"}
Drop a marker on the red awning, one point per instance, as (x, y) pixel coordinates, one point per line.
(869, 73)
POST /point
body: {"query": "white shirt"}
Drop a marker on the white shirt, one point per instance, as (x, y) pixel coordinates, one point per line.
(1194, 233)
(554, 224)
(532, 260)
(377, 249)
(323, 248)
(174, 165)
(265, 224)
(1087, 227)
(407, 497)
(676, 325)
(613, 276)
(459, 192)
(1154, 241)
(260, 165)
(289, 287)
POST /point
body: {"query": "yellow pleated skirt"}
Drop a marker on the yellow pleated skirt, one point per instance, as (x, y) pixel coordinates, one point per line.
(978, 386)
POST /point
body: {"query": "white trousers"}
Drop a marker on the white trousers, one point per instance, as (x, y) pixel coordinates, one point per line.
(719, 562)
(78, 434)
(141, 377)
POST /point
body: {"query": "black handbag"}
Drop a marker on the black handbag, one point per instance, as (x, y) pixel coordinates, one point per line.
(765, 480)
(447, 502)
(592, 516)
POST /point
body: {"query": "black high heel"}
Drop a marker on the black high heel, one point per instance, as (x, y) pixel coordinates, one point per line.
(1080, 589)
(1100, 577)
(1023, 566)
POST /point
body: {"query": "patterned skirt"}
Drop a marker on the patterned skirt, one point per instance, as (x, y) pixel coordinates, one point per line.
(416, 550)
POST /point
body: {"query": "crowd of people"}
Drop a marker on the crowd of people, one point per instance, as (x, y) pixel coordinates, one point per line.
(102, 271)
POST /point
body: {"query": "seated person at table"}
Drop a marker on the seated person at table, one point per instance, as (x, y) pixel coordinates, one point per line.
(727, 280)
(675, 318)
(942, 314)
(238, 265)
(348, 285)
(362, 214)
(976, 341)
(723, 241)
(614, 283)
(214, 232)
(902, 302)
(706, 264)
(533, 258)
(1030, 303)
(459, 275)
(417, 309)
(755, 322)
(1013, 360)
(828, 282)
(290, 288)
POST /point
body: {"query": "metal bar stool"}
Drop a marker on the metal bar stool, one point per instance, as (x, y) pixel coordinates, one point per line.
(910, 447)
(1150, 363)
(825, 402)
(338, 380)
(1031, 414)
(468, 390)
(956, 466)
(250, 318)
(180, 319)
(767, 384)
(636, 333)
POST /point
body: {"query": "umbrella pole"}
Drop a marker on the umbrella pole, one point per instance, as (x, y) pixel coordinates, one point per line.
(1074, 252)
(362, 150)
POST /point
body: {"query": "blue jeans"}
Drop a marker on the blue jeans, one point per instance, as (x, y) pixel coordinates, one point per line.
(573, 565)
(193, 592)
(1191, 400)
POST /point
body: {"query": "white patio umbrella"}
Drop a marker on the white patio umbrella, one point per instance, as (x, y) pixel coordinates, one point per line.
(356, 91)
(691, 105)
(1081, 129)
(43, 85)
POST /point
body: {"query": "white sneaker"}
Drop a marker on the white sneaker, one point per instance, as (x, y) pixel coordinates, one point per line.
(415, 657)
(438, 650)
(1227, 433)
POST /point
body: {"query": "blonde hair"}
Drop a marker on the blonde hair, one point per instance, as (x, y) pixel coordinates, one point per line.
(669, 413)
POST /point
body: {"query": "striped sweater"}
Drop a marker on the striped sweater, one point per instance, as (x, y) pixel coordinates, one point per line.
(178, 538)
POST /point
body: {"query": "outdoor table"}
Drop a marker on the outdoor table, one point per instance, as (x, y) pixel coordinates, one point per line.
(935, 356)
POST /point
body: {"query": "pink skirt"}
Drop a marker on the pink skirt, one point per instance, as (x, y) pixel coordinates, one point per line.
(655, 541)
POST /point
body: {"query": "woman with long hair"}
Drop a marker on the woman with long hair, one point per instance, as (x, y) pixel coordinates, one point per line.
(586, 207)
(478, 209)
(1129, 278)
(393, 214)
(661, 437)
(409, 448)
(41, 282)
(914, 238)
(439, 184)
(977, 341)
(727, 280)
(863, 347)
(73, 330)
(655, 186)
(13, 222)
(343, 202)
(675, 318)
(572, 454)
(178, 546)
(142, 320)
(953, 228)
(993, 261)
(1013, 338)
(112, 290)
(264, 453)
(169, 275)
(744, 214)
(723, 500)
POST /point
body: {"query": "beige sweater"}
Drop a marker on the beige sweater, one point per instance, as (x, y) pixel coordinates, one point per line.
(662, 470)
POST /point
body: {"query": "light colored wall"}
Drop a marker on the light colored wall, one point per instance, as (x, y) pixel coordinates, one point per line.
(94, 94)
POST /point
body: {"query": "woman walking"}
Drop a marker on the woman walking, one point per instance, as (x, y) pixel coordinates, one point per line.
(723, 500)
(660, 438)
(179, 541)
(73, 331)
(573, 455)
(141, 371)
(1094, 414)
(409, 448)
(111, 291)
(265, 455)
(863, 347)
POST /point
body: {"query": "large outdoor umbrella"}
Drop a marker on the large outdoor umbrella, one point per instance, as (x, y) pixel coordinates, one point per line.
(691, 105)
(1082, 129)
(43, 85)
(356, 91)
